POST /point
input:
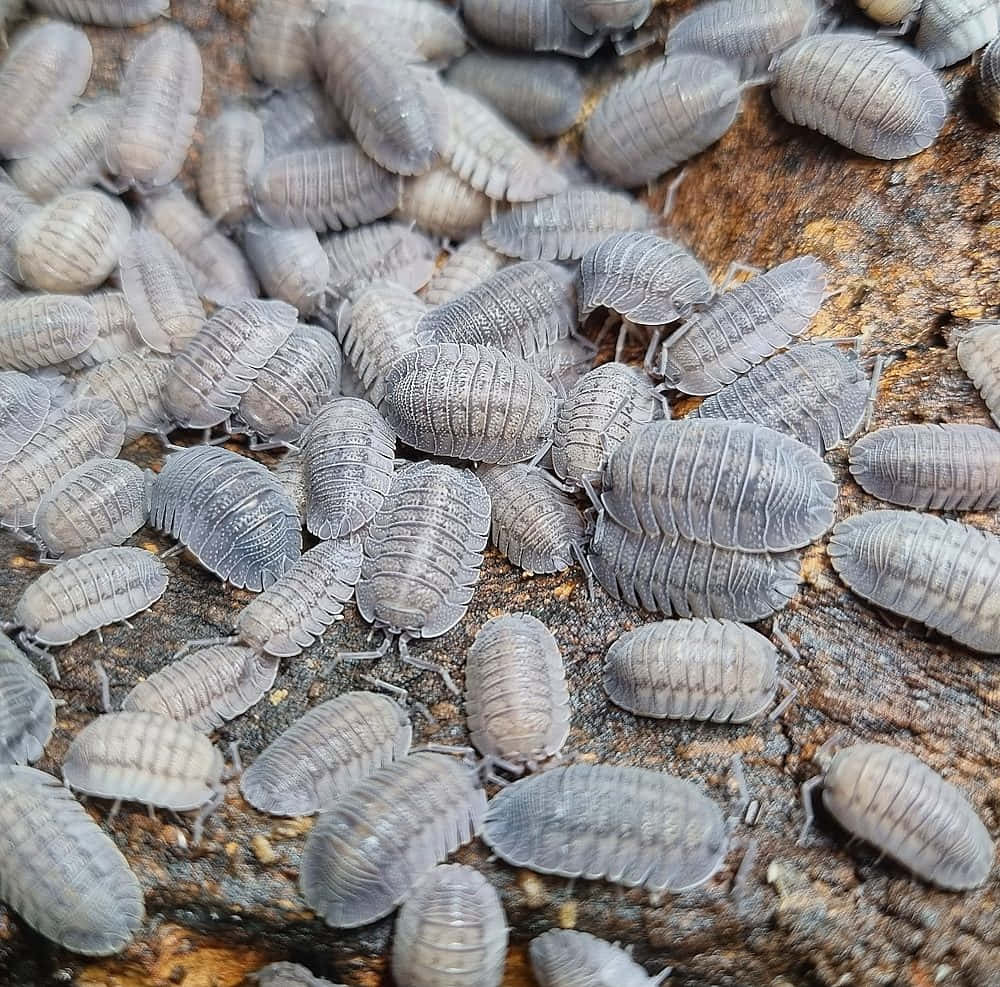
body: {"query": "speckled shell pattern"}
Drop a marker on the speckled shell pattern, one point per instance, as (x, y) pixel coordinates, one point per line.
(44, 330)
(24, 407)
(133, 382)
(528, 25)
(625, 825)
(470, 265)
(979, 356)
(567, 958)
(365, 856)
(27, 708)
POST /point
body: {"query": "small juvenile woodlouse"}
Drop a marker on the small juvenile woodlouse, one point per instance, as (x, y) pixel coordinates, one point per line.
(44, 330)
(951, 30)
(280, 42)
(988, 80)
(25, 403)
(451, 930)
(27, 709)
(567, 958)
(366, 854)
(318, 759)
(291, 264)
(442, 204)
(232, 153)
(133, 382)
(529, 25)
(472, 263)
(978, 355)
(288, 975)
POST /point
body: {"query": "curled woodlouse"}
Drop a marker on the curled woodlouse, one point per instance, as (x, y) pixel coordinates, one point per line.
(567, 958)
(232, 153)
(27, 709)
(693, 669)
(325, 187)
(291, 264)
(318, 759)
(288, 975)
(83, 594)
(98, 504)
(903, 12)
(988, 80)
(906, 810)
(626, 825)
(349, 452)
(978, 355)
(133, 382)
(205, 688)
(73, 242)
(741, 327)
(535, 524)
(565, 226)
(280, 42)
(423, 551)
(213, 371)
(43, 73)
(61, 873)
(470, 402)
(540, 94)
(814, 392)
(452, 930)
(144, 757)
(161, 97)
(678, 576)
(658, 117)
(230, 513)
(516, 697)
(951, 30)
(939, 572)
(470, 265)
(528, 25)
(24, 405)
(866, 93)
(434, 29)
(366, 854)
(594, 16)
(644, 277)
(935, 467)
(44, 330)
(442, 204)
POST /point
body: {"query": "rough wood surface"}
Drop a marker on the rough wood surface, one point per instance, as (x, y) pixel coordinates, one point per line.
(914, 251)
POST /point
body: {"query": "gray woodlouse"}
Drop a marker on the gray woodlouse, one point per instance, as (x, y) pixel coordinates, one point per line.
(83, 429)
(160, 291)
(98, 504)
(906, 810)
(295, 611)
(678, 576)
(567, 958)
(295, 118)
(423, 551)
(528, 25)
(46, 69)
(470, 265)
(73, 242)
(814, 392)
(626, 825)
(540, 94)
(288, 975)
(280, 41)
(366, 854)
(144, 757)
(470, 402)
(83, 594)
(451, 932)
(535, 525)
(434, 29)
(938, 572)
(741, 327)
(231, 154)
(988, 80)
(872, 96)
(730, 484)
(290, 472)
(488, 153)
(644, 277)
(565, 226)
(600, 412)
(695, 669)
(291, 264)
(593, 16)
(24, 406)
(161, 97)
(978, 355)
(42, 330)
(27, 709)
(442, 204)
(747, 34)
(325, 187)
(60, 872)
(206, 688)
(323, 754)
(209, 376)
(951, 30)
(396, 108)
(117, 332)
(658, 117)
(292, 386)
(516, 698)
(133, 382)
(230, 513)
(105, 13)
(349, 452)
(902, 12)
(930, 467)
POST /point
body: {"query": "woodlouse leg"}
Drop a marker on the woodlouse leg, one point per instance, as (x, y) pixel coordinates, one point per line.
(429, 666)
(37, 652)
(737, 267)
(654, 342)
(671, 197)
(680, 331)
(197, 644)
(164, 438)
(786, 702)
(736, 770)
(588, 570)
(105, 684)
(100, 634)
(404, 698)
(806, 793)
(127, 623)
(206, 811)
(629, 42)
(661, 977)
(877, 369)
(743, 871)
(623, 334)
(115, 806)
(786, 644)
(752, 814)
(169, 553)
(592, 495)
(379, 652)
(237, 761)
(256, 446)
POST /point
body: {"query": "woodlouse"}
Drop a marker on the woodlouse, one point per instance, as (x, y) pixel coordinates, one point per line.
(978, 355)
(442, 204)
(288, 975)
(60, 872)
(741, 327)
(516, 698)
(595, 16)
(366, 854)
(312, 765)
(42, 330)
(27, 709)
(451, 930)
(938, 572)
(232, 153)
(988, 80)
(280, 42)
(105, 13)
(433, 28)
(116, 332)
(291, 264)
(906, 810)
(133, 382)
(528, 25)
(901, 12)
(951, 30)
(470, 265)
(25, 403)
(866, 93)
(230, 513)
(626, 825)
(567, 958)
(565, 226)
